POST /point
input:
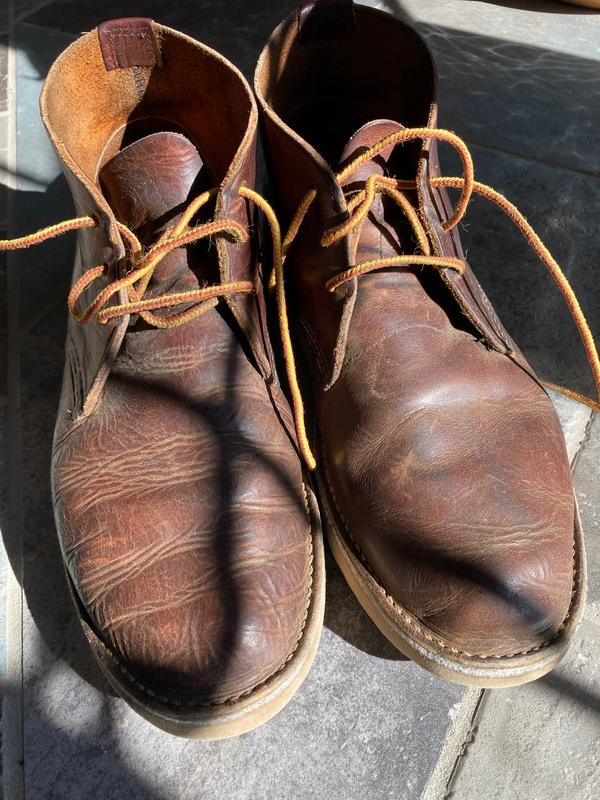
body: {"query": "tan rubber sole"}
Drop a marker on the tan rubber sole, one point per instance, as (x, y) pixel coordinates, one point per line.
(239, 716)
(413, 639)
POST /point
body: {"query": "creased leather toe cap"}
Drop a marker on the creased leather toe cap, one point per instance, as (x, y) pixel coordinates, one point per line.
(466, 521)
(185, 526)
(491, 610)
(202, 629)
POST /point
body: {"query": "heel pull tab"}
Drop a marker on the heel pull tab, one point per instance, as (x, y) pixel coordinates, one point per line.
(129, 42)
(326, 19)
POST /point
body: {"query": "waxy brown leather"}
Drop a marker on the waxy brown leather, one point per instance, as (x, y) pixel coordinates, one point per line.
(178, 491)
(440, 455)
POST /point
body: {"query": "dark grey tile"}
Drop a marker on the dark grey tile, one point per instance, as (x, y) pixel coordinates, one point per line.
(541, 739)
(519, 98)
(238, 29)
(557, 203)
(3, 196)
(519, 76)
(42, 196)
(23, 8)
(3, 332)
(44, 271)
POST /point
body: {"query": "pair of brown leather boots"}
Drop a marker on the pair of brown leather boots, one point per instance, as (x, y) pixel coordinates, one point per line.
(182, 475)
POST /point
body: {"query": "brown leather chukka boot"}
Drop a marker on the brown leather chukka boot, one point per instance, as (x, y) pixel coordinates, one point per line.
(441, 463)
(190, 537)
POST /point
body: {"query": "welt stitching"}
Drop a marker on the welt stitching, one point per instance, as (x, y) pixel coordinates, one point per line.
(419, 626)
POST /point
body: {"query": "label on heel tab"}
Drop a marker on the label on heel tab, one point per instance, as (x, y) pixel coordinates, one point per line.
(129, 42)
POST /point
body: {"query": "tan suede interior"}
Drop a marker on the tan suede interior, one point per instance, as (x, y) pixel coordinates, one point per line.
(181, 91)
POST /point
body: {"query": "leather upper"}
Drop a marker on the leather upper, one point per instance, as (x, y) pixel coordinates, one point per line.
(178, 490)
(441, 455)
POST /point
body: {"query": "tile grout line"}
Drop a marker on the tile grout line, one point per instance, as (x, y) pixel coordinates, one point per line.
(471, 708)
(454, 748)
(12, 706)
(584, 441)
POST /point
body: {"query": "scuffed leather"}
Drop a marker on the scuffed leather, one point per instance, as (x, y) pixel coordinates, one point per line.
(441, 454)
(182, 515)
(179, 495)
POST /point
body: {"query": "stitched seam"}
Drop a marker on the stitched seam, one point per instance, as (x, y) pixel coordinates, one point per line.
(493, 319)
(418, 625)
(113, 49)
(76, 375)
(138, 79)
(314, 344)
(438, 202)
(146, 47)
(232, 698)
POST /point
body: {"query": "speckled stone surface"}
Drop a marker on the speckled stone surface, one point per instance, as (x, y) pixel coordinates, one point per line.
(542, 740)
(519, 77)
(520, 82)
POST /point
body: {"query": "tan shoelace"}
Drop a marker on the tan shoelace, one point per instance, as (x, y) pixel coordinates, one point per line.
(181, 234)
(360, 204)
(145, 262)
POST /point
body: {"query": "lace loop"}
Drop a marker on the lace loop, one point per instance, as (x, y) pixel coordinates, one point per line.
(410, 134)
(284, 327)
(142, 274)
(50, 232)
(456, 264)
(360, 204)
(136, 282)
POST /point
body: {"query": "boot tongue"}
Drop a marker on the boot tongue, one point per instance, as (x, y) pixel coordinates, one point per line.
(381, 234)
(364, 138)
(148, 185)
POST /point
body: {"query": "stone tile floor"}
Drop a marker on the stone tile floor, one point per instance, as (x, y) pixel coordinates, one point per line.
(521, 82)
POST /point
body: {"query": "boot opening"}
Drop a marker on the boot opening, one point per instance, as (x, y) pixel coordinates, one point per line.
(347, 79)
(91, 112)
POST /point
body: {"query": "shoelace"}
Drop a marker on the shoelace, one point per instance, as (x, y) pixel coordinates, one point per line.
(358, 208)
(360, 204)
(143, 265)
